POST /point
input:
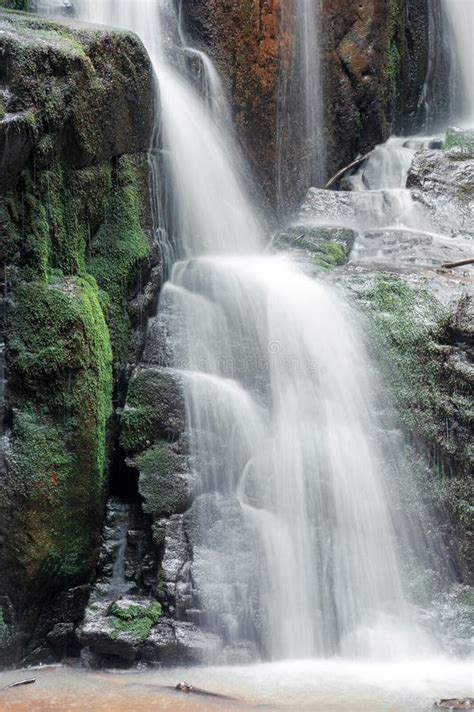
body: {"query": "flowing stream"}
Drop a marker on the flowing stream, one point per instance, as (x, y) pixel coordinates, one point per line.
(280, 398)
(460, 15)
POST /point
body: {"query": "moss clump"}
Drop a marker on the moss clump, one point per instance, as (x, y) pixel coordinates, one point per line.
(133, 620)
(330, 255)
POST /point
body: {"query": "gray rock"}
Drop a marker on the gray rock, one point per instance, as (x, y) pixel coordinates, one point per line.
(444, 185)
(223, 585)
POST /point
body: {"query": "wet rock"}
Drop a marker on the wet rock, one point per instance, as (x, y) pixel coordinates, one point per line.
(119, 628)
(175, 565)
(326, 247)
(63, 640)
(455, 705)
(154, 408)
(355, 210)
(196, 645)
(460, 138)
(214, 525)
(163, 482)
(407, 248)
(161, 645)
(114, 62)
(253, 46)
(443, 183)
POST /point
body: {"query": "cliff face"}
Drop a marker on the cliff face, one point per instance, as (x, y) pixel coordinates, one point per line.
(368, 48)
(75, 235)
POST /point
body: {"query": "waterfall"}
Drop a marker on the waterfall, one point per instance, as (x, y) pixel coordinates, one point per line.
(280, 398)
(460, 14)
(300, 120)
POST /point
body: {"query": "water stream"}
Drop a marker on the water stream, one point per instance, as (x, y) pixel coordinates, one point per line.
(460, 15)
(280, 396)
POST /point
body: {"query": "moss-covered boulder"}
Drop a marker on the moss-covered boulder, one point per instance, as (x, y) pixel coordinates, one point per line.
(76, 115)
(78, 87)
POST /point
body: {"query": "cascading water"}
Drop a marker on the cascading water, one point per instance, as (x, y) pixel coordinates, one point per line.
(279, 396)
(460, 14)
(301, 106)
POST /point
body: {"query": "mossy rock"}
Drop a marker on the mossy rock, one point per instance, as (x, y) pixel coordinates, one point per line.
(133, 620)
(460, 139)
(329, 246)
(80, 86)
(61, 362)
(163, 483)
(429, 382)
(154, 409)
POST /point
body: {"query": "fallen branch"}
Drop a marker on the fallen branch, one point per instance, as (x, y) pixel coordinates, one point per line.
(354, 164)
(190, 689)
(460, 263)
(29, 681)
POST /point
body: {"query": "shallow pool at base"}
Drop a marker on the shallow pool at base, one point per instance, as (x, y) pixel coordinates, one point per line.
(319, 686)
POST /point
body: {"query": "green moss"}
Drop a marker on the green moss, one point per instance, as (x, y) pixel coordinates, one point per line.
(330, 256)
(460, 138)
(429, 387)
(330, 246)
(134, 621)
(154, 410)
(162, 484)
(160, 460)
(62, 379)
(117, 251)
(23, 5)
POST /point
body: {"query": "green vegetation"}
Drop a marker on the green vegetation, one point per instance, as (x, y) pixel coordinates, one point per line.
(61, 360)
(429, 384)
(460, 138)
(119, 247)
(23, 5)
(154, 410)
(133, 620)
(330, 246)
(330, 255)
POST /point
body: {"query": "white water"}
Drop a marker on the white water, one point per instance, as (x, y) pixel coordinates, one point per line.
(279, 395)
(300, 120)
(460, 15)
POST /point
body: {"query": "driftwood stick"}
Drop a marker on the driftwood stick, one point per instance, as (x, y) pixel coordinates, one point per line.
(460, 263)
(20, 683)
(190, 689)
(354, 164)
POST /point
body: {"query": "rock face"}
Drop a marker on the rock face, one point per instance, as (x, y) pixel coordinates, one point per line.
(75, 235)
(443, 183)
(370, 48)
